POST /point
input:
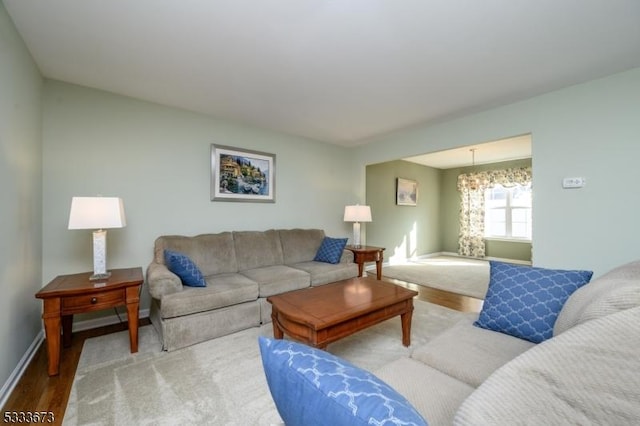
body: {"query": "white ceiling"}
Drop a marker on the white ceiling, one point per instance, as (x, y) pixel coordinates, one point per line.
(515, 148)
(340, 71)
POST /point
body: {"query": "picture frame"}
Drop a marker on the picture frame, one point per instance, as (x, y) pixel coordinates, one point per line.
(406, 192)
(243, 175)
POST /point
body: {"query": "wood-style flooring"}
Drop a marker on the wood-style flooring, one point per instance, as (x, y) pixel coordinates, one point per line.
(36, 391)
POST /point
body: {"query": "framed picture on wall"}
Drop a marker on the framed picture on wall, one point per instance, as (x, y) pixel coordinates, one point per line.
(242, 175)
(406, 192)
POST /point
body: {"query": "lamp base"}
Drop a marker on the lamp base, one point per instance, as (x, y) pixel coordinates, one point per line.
(100, 256)
(356, 234)
(101, 276)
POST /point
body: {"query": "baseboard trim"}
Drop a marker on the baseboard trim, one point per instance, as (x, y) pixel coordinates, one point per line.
(17, 373)
(497, 259)
(108, 320)
(24, 362)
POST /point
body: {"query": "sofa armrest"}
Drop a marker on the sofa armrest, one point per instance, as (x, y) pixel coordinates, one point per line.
(162, 281)
(347, 256)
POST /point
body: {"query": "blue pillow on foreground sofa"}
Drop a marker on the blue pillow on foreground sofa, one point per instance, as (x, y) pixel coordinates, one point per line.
(311, 387)
(525, 301)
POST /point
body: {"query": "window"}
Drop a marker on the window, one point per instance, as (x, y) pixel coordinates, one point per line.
(508, 212)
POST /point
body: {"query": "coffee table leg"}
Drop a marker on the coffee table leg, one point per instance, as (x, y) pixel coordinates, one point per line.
(277, 331)
(406, 325)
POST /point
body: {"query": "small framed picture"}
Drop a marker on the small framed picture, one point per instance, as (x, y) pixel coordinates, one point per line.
(242, 175)
(406, 192)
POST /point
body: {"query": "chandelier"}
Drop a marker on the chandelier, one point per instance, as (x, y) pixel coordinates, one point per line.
(470, 180)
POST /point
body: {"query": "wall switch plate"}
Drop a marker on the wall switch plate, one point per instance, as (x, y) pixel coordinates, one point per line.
(573, 182)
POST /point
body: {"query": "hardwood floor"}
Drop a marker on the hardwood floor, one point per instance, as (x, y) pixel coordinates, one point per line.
(36, 391)
(441, 297)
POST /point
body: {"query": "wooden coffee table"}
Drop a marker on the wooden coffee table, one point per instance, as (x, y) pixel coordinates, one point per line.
(321, 315)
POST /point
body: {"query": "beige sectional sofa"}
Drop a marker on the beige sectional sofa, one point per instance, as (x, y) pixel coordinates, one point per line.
(587, 373)
(241, 270)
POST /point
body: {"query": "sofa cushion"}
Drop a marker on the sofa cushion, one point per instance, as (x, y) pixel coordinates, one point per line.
(468, 353)
(278, 279)
(181, 265)
(330, 250)
(627, 271)
(213, 253)
(255, 249)
(313, 387)
(223, 290)
(300, 245)
(587, 375)
(617, 290)
(524, 301)
(324, 273)
(435, 395)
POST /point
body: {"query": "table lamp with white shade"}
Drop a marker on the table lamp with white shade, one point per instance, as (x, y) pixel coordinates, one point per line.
(97, 213)
(357, 214)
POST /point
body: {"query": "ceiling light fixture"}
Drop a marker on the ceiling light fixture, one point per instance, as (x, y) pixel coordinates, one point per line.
(473, 183)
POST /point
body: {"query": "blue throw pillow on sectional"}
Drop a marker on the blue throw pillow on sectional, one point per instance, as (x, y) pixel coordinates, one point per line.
(525, 301)
(330, 250)
(182, 266)
(311, 387)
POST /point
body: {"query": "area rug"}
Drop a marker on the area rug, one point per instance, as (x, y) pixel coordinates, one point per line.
(469, 277)
(217, 382)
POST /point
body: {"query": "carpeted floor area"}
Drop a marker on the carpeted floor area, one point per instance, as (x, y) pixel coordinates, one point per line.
(217, 382)
(460, 275)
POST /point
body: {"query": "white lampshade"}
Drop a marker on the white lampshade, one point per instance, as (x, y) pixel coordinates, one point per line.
(96, 213)
(357, 213)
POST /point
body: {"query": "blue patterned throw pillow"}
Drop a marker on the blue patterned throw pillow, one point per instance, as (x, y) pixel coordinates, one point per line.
(182, 266)
(525, 301)
(311, 387)
(331, 250)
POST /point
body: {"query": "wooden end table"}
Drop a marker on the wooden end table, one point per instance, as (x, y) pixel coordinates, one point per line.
(364, 254)
(73, 294)
(321, 315)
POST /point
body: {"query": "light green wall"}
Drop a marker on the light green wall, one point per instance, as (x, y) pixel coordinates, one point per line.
(450, 223)
(508, 250)
(21, 195)
(158, 160)
(588, 130)
(405, 231)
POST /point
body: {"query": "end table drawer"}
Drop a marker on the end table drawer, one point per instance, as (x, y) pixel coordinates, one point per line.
(93, 302)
